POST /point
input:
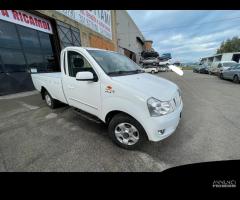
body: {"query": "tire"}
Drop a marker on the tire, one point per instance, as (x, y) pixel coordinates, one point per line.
(221, 76)
(152, 72)
(210, 73)
(52, 103)
(235, 79)
(119, 124)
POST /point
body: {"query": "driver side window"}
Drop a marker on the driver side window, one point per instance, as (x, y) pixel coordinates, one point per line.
(77, 63)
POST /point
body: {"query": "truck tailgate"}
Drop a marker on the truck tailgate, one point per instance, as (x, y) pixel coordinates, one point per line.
(52, 82)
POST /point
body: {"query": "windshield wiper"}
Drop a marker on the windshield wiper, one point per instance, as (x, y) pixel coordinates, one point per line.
(138, 71)
(116, 72)
(125, 72)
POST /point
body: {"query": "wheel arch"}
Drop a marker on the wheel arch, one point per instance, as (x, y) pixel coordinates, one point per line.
(43, 90)
(236, 75)
(112, 113)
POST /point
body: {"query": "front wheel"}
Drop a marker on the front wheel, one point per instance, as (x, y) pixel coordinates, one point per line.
(126, 132)
(152, 71)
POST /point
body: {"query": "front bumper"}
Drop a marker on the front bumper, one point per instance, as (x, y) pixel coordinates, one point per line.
(154, 126)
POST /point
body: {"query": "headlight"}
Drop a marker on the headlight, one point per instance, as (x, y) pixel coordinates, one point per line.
(158, 108)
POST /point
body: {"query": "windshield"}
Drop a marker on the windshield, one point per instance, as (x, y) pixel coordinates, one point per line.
(114, 63)
(228, 64)
(235, 66)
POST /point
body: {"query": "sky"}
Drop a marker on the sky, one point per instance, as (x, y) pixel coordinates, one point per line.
(187, 35)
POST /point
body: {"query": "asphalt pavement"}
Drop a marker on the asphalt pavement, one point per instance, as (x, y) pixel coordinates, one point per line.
(35, 138)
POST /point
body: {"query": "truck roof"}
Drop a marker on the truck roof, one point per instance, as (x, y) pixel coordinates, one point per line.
(225, 61)
(87, 48)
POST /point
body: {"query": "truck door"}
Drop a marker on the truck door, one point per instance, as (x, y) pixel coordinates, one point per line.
(84, 95)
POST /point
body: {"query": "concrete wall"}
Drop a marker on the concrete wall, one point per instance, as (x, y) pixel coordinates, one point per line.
(127, 31)
(89, 38)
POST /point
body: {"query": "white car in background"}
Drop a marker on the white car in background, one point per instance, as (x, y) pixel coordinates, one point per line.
(164, 63)
(150, 69)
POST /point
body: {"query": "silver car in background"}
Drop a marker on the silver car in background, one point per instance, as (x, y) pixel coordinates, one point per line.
(232, 73)
(217, 67)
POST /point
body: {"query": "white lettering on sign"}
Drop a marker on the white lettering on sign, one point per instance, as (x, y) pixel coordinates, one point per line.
(97, 20)
(26, 19)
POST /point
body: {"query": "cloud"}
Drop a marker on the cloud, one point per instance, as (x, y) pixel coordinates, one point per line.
(187, 35)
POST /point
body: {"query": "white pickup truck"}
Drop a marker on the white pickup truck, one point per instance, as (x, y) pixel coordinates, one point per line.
(135, 105)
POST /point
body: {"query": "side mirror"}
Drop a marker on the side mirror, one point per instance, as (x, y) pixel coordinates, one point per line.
(85, 76)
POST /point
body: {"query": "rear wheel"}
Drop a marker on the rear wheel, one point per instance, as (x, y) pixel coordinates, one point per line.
(235, 79)
(126, 132)
(152, 71)
(49, 100)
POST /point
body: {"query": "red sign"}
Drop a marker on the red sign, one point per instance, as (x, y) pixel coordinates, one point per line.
(26, 19)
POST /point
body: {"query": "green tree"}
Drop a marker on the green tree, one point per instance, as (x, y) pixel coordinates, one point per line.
(230, 45)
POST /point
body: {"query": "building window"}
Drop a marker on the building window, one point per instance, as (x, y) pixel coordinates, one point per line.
(29, 39)
(8, 35)
(68, 35)
(48, 55)
(22, 48)
(13, 60)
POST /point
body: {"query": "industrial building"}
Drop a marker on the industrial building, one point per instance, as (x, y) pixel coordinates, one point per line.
(31, 41)
(130, 40)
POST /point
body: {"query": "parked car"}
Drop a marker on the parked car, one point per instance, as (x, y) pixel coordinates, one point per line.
(225, 66)
(232, 73)
(150, 69)
(203, 69)
(164, 63)
(165, 57)
(163, 69)
(216, 67)
(150, 61)
(177, 63)
(113, 89)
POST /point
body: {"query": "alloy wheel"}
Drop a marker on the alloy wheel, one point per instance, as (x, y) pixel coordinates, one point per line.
(126, 134)
(48, 100)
